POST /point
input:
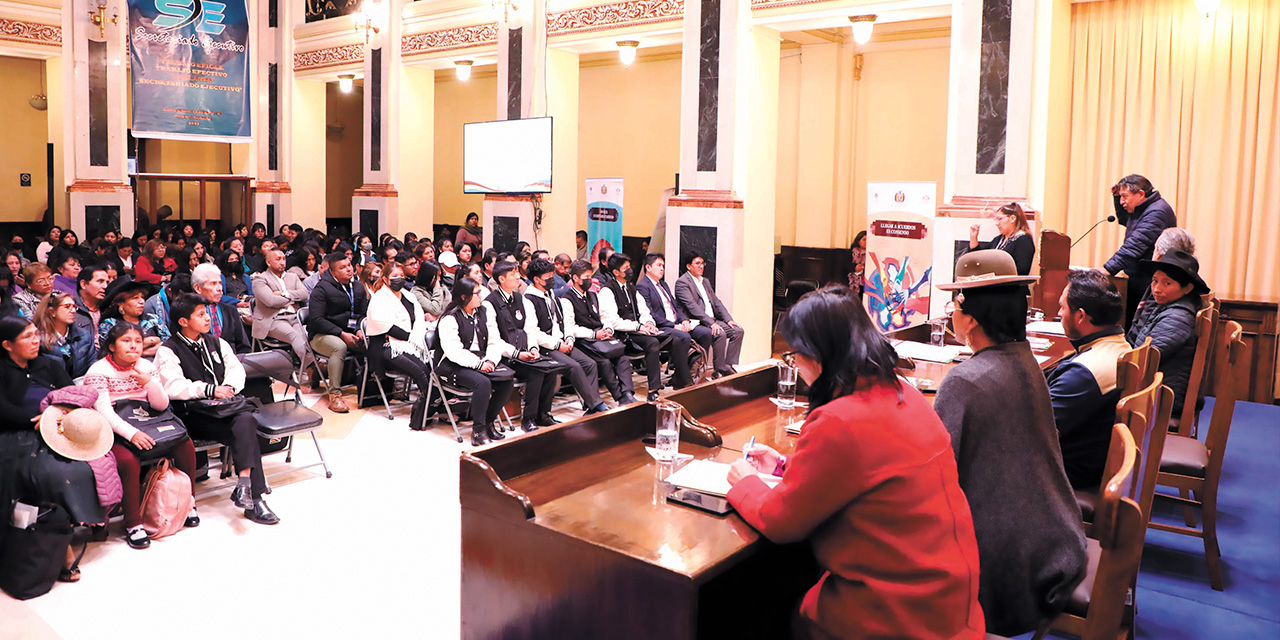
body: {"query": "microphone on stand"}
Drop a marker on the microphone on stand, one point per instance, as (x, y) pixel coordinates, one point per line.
(1095, 226)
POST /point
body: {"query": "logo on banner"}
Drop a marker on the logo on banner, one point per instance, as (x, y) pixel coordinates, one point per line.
(900, 197)
(604, 189)
(176, 14)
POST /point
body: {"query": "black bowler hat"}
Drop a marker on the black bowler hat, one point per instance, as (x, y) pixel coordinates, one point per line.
(120, 286)
(1177, 262)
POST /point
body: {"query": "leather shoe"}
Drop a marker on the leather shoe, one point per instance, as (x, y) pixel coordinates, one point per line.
(528, 426)
(653, 396)
(495, 433)
(193, 519)
(240, 496)
(545, 420)
(600, 408)
(629, 398)
(336, 404)
(261, 513)
(478, 436)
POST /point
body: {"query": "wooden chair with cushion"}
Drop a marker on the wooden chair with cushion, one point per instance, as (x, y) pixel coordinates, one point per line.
(1195, 467)
(1185, 423)
(1099, 607)
(1146, 359)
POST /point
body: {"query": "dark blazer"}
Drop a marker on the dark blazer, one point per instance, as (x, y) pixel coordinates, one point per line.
(233, 330)
(691, 302)
(653, 299)
(15, 414)
(330, 308)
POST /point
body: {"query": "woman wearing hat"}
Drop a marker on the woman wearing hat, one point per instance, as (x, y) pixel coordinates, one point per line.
(125, 301)
(46, 465)
(1170, 318)
(997, 408)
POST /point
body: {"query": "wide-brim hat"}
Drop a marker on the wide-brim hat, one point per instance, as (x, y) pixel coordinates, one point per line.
(986, 268)
(78, 434)
(121, 286)
(1181, 262)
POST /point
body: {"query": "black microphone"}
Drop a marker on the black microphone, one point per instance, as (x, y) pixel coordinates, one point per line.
(1095, 226)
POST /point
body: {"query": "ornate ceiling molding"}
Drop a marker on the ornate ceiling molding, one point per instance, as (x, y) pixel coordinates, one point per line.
(612, 16)
(331, 57)
(449, 39)
(30, 32)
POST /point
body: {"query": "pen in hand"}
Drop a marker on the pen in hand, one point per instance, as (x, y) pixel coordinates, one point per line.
(746, 451)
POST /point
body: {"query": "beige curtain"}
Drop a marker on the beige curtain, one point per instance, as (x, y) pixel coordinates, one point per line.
(1191, 102)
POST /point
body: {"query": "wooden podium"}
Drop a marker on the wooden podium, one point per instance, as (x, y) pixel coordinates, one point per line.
(1055, 264)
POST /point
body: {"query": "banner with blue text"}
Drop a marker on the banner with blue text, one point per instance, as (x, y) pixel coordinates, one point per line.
(190, 69)
(604, 214)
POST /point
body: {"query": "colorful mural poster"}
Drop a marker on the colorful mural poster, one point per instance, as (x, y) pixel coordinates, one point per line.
(899, 263)
(604, 214)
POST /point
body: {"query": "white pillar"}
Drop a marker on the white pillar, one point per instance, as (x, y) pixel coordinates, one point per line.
(272, 114)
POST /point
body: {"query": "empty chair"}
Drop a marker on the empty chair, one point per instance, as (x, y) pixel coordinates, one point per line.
(285, 418)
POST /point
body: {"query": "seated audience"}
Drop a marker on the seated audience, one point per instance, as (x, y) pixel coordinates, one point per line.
(410, 265)
(14, 260)
(125, 302)
(152, 266)
(1083, 386)
(69, 344)
(195, 367)
(667, 316)
(277, 296)
(224, 317)
(124, 250)
(469, 351)
(583, 322)
(235, 280)
(997, 408)
(92, 291)
(872, 485)
(336, 307)
(466, 252)
(8, 307)
(449, 266)
(626, 314)
(580, 241)
(68, 245)
(1169, 240)
(30, 469)
(397, 330)
(123, 375)
(158, 304)
(48, 243)
(322, 265)
(66, 273)
(508, 309)
(698, 301)
(39, 283)
(302, 263)
(560, 284)
(1170, 319)
(546, 328)
(429, 291)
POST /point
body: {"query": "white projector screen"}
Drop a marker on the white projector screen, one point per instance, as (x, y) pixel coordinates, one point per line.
(507, 156)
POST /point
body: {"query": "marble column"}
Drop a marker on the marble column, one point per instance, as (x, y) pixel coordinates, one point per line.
(273, 70)
(522, 48)
(95, 83)
(375, 205)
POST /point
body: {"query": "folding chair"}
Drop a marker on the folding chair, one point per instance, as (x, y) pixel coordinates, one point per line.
(318, 358)
(284, 418)
(378, 375)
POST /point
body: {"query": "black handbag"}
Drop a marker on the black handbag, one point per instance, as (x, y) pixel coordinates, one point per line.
(610, 349)
(162, 426)
(33, 556)
(219, 408)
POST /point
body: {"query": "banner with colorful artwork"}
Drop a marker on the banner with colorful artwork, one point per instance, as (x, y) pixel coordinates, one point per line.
(604, 214)
(190, 69)
(899, 262)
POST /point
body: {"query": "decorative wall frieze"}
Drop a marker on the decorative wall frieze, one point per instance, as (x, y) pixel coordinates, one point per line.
(611, 16)
(30, 32)
(330, 57)
(449, 39)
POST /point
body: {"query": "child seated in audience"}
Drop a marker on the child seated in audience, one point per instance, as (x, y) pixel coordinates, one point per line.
(469, 351)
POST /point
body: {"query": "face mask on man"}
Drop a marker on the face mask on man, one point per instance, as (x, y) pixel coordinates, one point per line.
(396, 284)
(630, 274)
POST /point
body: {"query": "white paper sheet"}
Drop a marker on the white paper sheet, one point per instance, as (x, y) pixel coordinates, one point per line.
(1045, 326)
(928, 352)
(710, 477)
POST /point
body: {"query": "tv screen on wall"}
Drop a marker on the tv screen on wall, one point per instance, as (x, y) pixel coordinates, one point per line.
(507, 156)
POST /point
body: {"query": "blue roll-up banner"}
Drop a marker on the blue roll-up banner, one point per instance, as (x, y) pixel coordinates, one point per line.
(604, 214)
(190, 69)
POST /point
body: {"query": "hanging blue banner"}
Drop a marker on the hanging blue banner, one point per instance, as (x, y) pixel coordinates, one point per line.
(604, 214)
(190, 69)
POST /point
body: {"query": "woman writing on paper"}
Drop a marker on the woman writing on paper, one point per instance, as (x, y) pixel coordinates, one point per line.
(872, 485)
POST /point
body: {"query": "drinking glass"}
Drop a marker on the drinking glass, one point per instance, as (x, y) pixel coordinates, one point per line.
(937, 332)
(667, 438)
(786, 385)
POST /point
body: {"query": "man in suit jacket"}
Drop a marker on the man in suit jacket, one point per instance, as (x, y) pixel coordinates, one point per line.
(664, 308)
(277, 296)
(698, 300)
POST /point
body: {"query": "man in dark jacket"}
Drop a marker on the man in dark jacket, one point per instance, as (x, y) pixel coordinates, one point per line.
(224, 318)
(91, 288)
(1083, 386)
(334, 312)
(668, 317)
(1145, 215)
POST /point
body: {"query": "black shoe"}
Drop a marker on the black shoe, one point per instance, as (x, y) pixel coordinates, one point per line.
(600, 408)
(529, 426)
(261, 513)
(653, 396)
(478, 436)
(627, 399)
(241, 498)
(545, 420)
(193, 519)
(495, 433)
(137, 537)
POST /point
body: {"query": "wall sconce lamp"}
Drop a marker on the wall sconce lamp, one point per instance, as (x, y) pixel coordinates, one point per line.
(372, 17)
(862, 26)
(463, 69)
(99, 19)
(627, 51)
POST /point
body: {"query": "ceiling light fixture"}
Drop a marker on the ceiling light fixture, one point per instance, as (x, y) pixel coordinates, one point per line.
(627, 50)
(862, 26)
(463, 69)
(345, 82)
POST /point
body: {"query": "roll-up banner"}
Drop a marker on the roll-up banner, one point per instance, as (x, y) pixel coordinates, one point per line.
(604, 214)
(190, 69)
(899, 258)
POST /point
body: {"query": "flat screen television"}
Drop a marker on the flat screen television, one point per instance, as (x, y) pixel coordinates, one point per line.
(507, 156)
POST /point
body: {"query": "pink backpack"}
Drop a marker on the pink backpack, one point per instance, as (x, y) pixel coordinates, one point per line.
(167, 500)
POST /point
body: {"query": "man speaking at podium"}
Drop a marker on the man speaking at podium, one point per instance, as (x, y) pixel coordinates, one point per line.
(1145, 215)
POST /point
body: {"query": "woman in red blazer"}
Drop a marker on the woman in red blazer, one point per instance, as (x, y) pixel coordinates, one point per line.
(872, 486)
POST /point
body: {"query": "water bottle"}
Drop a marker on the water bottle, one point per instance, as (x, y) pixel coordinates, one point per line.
(667, 438)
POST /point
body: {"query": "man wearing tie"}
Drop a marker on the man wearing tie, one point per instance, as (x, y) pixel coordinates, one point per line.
(698, 301)
(666, 313)
(546, 327)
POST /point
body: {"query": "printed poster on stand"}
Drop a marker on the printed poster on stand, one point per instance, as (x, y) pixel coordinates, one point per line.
(190, 70)
(899, 262)
(604, 214)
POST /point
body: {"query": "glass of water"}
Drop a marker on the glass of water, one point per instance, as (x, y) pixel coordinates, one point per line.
(938, 331)
(786, 385)
(667, 438)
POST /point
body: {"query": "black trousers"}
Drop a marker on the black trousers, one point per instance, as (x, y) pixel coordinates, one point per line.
(616, 375)
(583, 375)
(651, 346)
(413, 367)
(240, 433)
(488, 396)
(679, 346)
(539, 389)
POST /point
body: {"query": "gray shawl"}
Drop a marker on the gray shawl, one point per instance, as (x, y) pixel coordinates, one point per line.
(1030, 541)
